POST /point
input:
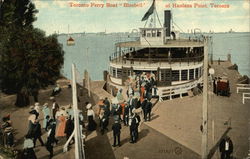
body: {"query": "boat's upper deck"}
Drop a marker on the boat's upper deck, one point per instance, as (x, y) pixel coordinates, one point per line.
(178, 43)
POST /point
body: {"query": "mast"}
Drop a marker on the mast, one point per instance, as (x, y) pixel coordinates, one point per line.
(68, 30)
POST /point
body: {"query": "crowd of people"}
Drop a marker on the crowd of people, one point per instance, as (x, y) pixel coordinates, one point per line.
(57, 123)
(130, 111)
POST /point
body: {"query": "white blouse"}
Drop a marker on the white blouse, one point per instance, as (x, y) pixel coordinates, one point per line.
(90, 112)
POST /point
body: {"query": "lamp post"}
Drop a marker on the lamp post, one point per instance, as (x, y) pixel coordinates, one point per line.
(204, 147)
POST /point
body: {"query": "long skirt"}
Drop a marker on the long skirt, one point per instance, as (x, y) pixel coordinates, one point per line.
(92, 124)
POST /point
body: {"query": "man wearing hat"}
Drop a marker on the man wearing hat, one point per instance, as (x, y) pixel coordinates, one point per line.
(116, 131)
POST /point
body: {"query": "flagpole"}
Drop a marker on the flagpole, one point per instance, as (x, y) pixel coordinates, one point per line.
(154, 16)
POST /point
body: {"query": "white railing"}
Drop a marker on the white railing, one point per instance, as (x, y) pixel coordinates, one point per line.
(245, 96)
(242, 88)
(176, 90)
(243, 85)
(79, 146)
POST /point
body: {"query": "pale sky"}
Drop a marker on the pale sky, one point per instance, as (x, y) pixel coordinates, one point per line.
(56, 15)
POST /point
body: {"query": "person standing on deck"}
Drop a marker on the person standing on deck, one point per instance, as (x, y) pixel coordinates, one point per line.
(126, 115)
(91, 116)
(143, 106)
(46, 115)
(69, 127)
(70, 112)
(61, 126)
(119, 96)
(55, 107)
(148, 108)
(226, 148)
(51, 138)
(28, 145)
(107, 104)
(38, 133)
(52, 131)
(116, 132)
(132, 128)
(37, 108)
(32, 119)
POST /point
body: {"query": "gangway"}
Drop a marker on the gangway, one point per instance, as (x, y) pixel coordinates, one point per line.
(77, 133)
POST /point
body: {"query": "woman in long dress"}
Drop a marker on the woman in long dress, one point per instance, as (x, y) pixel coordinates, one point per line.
(61, 126)
(46, 115)
(91, 116)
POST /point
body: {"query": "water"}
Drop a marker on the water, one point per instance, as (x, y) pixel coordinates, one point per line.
(92, 51)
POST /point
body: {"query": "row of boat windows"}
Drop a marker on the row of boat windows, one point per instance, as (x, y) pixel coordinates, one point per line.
(180, 75)
(151, 33)
(164, 75)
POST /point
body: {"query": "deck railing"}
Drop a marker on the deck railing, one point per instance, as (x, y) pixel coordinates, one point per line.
(134, 61)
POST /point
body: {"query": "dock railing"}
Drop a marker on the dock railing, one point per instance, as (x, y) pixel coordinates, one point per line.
(245, 96)
(176, 90)
(244, 87)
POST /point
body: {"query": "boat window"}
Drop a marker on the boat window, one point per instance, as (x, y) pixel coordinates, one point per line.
(143, 33)
(153, 33)
(158, 33)
(184, 75)
(148, 34)
(175, 75)
(114, 72)
(119, 73)
(191, 74)
(111, 71)
(196, 73)
(201, 71)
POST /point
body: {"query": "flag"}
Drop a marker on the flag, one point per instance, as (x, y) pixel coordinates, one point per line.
(149, 12)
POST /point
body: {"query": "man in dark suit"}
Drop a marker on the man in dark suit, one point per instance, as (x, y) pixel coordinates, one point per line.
(116, 132)
(226, 148)
(148, 108)
(143, 106)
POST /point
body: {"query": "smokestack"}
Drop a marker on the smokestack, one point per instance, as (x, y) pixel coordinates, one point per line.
(167, 22)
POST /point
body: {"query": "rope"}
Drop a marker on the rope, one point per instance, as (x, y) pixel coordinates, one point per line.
(178, 27)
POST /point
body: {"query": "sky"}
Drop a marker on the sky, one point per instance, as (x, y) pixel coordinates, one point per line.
(57, 15)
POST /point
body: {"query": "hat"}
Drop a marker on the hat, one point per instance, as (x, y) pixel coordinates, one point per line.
(45, 104)
(89, 106)
(51, 98)
(37, 104)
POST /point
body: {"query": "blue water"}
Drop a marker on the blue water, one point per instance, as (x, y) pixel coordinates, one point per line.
(92, 51)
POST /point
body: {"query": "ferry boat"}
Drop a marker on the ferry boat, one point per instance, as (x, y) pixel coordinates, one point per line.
(177, 63)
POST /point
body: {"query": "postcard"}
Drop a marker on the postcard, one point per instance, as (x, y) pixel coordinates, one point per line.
(125, 79)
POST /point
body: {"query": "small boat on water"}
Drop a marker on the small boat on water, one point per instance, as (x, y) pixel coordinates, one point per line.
(70, 41)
